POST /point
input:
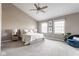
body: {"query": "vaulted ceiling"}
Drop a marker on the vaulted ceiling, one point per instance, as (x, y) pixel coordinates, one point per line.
(53, 10)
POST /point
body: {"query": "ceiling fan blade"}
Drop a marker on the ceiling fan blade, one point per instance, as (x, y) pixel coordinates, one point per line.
(42, 11)
(36, 5)
(44, 7)
(33, 9)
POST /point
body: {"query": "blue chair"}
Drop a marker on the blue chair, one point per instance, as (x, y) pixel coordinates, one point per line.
(72, 41)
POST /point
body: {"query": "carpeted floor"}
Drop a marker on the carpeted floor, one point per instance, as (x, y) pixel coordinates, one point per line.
(43, 48)
(11, 44)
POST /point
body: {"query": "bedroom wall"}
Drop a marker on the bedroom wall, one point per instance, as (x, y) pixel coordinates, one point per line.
(71, 23)
(13, 18)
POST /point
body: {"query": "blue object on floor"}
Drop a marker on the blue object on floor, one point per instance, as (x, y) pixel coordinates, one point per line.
(73, 42)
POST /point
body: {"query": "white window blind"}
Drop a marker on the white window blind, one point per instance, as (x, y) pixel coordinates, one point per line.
(59, 26)
(44, 27)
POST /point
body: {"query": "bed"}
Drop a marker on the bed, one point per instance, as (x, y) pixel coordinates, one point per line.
(29, 37)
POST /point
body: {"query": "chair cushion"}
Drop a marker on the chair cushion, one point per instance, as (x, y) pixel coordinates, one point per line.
(73, 43)
(76, 38)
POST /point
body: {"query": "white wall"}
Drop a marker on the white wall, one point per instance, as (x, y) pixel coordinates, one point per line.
(14, 18)
(71, 23)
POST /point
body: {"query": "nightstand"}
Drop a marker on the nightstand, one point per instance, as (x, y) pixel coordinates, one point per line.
(15, 37)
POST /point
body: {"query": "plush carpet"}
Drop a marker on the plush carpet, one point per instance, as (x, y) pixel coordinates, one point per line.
(43, 48)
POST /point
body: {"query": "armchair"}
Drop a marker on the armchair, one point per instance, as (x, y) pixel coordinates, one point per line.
(72, 41)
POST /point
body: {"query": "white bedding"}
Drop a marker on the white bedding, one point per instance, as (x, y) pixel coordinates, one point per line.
(28, 37)
(35, 35)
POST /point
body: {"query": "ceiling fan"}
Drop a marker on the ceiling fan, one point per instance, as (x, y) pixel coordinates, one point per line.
(38, 8)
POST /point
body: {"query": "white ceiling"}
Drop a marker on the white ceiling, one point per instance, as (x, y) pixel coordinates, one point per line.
(53, 10)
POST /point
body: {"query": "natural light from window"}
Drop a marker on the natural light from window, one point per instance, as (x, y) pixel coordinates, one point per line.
(59, 26)
(44, 27)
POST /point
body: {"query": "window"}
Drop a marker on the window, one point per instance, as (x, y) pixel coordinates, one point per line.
(59, 26)
(44, 27)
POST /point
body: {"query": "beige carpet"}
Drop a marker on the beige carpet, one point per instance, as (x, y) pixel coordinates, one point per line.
(11, 44)
(43, 48)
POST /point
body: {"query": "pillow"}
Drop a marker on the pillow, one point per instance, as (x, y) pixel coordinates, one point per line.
(24, 31)
(31, 31)
(35, 30)
(76, 38)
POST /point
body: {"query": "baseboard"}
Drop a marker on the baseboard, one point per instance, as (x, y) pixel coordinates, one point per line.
(56, 39)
